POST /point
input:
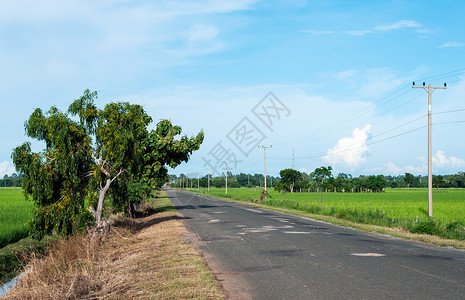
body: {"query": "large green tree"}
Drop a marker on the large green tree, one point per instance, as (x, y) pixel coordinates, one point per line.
(321, 173)
(56, 178)
(409, 179)
(107, 151)
(118, 131)
(438, 181)
(126, 151)
(289, 178)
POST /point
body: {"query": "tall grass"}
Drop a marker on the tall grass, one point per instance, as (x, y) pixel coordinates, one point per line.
(402, 208)
(15, 213)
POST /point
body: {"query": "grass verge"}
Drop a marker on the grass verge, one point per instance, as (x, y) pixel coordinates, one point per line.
(341, 221)
(144, 258)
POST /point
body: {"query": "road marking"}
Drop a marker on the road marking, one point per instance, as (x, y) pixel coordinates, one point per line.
(218, 212)
(282, 220)
(259, 230)
(266, 228)
(254, 210)
(214, 221)
(298, 232)
(368, 254)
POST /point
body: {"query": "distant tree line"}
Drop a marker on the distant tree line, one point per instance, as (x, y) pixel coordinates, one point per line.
(234, 181)
(321, 180)
(11, 181)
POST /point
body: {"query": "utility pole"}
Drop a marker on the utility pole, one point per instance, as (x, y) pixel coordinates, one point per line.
(430, 90)
(264, 153)
(226, 177)
(198, 182)
(208, 182)
(293, 159)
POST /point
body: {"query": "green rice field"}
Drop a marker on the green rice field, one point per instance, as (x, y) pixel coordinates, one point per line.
(15, 212)
(403, 208)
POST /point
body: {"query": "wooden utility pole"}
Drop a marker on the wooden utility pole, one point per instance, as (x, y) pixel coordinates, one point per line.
(226, 177)
(264, 153)
(430, 90)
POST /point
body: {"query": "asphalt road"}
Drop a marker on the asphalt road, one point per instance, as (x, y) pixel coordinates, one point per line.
(260, 254)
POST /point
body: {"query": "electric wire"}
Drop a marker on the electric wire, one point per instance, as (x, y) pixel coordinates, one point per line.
(448, 111)
(372, 107)
(364, 145)
(324, 130)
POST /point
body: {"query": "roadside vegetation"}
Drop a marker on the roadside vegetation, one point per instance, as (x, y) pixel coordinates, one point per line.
(394, 208)
(97, 162)
(147, 257)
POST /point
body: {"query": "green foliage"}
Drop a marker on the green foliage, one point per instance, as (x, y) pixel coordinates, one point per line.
(125, 194)
(289, 178)
(424, 226)
(321, 173)
(11, 181)
(162, 149)
(108, 151)
(409, 179)
(438, 181)
(56, 177)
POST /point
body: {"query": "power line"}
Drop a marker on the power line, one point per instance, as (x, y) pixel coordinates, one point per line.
(348, 119)
(451, 122)
(396, 94)
(321, 154)
(392, 129)
(449, 111)
(445, 75)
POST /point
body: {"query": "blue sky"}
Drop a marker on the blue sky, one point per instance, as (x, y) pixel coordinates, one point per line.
(339, 73)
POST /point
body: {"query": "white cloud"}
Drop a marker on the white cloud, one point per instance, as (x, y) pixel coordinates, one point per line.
(49, 10)
(202, 33)
(343, 75)
(358, 32)
(350, 151)
(370, 83)
(392, 169)
(451, 44)
(442, 164)
(442, 161)
(399, 25)
(380, 28)
(317, 32)
(6, 168)
(425, 31)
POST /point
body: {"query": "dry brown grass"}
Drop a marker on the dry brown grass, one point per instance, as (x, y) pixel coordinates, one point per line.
(147, 258)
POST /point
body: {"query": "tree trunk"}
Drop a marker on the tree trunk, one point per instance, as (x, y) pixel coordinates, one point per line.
(101, 198)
